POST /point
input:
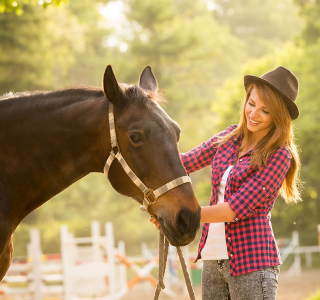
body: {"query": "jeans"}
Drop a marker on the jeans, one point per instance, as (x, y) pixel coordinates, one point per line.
(217, 283)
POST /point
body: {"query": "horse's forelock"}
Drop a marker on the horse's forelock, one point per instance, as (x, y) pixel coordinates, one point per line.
(136, 93)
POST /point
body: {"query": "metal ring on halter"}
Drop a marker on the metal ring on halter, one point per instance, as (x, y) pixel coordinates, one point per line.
(150, 200)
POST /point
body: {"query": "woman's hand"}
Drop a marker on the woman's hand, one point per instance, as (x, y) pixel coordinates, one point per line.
(154, 221)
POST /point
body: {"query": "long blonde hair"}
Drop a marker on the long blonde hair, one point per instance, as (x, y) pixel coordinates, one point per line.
(280, 134)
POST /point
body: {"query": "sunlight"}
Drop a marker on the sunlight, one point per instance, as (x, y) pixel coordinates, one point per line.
(115, 18)
(113, 12)
(211, 5)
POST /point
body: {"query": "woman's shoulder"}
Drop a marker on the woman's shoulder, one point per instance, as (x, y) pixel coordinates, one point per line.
(231, 128)
(282, 152)
(220, 137)
(228, 130)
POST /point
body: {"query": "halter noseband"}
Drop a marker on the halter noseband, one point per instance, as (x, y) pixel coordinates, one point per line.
(150, 196)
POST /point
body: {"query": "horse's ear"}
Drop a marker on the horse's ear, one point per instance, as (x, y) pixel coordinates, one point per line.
(147, 80)
(110, 86)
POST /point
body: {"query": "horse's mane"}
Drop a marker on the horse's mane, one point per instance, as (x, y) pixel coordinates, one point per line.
(132, 92)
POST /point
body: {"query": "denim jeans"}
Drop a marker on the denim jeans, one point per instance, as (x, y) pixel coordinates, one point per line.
(217, 283)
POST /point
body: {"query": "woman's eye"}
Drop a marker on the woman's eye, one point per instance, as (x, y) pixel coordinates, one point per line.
(251, 104)
(266, 112)
(136, 138)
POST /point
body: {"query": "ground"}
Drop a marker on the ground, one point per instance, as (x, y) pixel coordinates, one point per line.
(290, 288)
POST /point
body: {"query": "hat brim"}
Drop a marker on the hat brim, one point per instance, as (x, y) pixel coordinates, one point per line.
(292, 107)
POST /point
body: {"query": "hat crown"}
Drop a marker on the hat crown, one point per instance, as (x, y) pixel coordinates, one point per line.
(284, 80)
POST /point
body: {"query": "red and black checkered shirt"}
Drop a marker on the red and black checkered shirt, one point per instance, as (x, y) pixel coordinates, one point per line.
(251, 194)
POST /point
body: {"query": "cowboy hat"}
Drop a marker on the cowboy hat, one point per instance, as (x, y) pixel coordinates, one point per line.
(284, 82)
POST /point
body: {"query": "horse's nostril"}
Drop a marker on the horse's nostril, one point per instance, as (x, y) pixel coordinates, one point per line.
(183, 220)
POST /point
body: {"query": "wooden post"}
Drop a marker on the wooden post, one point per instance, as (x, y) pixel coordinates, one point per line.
(111, 259)
(36, 261)
(297, 259)
(95, 233)
(64, 257)
(122, 267)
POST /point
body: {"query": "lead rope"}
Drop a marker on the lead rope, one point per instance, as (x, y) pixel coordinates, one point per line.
(163, 255)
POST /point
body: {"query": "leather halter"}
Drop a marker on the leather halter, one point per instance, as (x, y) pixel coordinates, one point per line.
(150, 196)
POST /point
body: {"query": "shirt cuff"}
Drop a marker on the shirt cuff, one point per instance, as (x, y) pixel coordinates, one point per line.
(241, 210)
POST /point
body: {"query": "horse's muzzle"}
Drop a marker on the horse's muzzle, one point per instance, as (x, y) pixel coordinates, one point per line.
(184, 229)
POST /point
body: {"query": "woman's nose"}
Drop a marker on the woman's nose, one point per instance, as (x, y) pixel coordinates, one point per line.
(253, 113)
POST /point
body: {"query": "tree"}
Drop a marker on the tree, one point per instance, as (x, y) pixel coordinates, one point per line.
(310, 11)
(262, 25)
(37, 48)
(18, 6)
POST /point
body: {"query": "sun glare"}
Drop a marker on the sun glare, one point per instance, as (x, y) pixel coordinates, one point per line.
(115, 18)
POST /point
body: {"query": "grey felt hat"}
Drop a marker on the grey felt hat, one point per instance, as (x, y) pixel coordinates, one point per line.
(284, 82)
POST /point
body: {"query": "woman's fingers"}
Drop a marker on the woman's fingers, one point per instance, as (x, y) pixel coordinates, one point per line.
(154, 221)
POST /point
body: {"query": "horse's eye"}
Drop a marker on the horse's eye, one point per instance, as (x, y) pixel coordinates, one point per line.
(136, 138)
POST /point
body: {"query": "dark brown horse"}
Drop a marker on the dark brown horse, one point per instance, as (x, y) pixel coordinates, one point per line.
(49, 140)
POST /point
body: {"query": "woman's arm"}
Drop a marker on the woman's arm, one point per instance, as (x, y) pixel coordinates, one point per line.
(201, 156)
(211, 214)
(217, 213)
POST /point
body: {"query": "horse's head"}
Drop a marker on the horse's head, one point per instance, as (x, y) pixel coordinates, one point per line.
(148, 140)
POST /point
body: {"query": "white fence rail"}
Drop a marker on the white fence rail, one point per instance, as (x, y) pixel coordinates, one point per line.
(294, 248)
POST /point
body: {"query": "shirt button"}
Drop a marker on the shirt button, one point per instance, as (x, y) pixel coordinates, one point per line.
(263, 188)
(236, 219)
(231, 255)
(226, 188)
(229, 238)
(240, 159)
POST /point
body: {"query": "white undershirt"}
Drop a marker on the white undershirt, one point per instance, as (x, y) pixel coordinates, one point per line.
(215, 246)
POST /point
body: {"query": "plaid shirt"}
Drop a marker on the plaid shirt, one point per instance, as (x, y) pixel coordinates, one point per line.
(251, 195)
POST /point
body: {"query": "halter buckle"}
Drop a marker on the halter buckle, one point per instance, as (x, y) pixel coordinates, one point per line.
(150, 197)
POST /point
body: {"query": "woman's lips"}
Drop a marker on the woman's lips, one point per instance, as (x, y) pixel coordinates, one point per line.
(253, 123)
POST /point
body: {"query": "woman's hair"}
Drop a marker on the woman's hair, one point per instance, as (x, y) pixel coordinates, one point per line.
(280, 134)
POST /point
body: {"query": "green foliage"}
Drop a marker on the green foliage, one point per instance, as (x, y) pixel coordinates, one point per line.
(310, 11)
(37, 48)
(263, 25)
(18, 6)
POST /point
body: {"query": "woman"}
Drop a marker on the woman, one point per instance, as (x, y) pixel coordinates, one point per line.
(251, 163)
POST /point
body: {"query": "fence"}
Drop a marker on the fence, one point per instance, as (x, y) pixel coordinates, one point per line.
(88, 268)
(94, 268)
(293, 247)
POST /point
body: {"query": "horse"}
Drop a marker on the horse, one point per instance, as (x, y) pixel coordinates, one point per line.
(51, 139)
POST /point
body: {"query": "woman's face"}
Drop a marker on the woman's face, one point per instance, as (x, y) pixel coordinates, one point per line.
(259, 119)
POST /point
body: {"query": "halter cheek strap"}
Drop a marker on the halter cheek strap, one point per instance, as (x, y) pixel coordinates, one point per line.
(150, 196)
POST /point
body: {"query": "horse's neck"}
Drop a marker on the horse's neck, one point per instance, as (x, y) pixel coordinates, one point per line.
(46, 151)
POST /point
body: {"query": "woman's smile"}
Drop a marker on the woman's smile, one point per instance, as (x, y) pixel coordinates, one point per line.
(253, 123)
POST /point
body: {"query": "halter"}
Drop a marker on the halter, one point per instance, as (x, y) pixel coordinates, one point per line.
(150, 196)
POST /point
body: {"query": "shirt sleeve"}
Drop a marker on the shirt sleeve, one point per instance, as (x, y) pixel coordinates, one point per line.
(263, 186)
(201, 156)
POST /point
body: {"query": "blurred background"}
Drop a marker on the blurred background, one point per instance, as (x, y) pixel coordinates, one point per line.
(199, 51)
